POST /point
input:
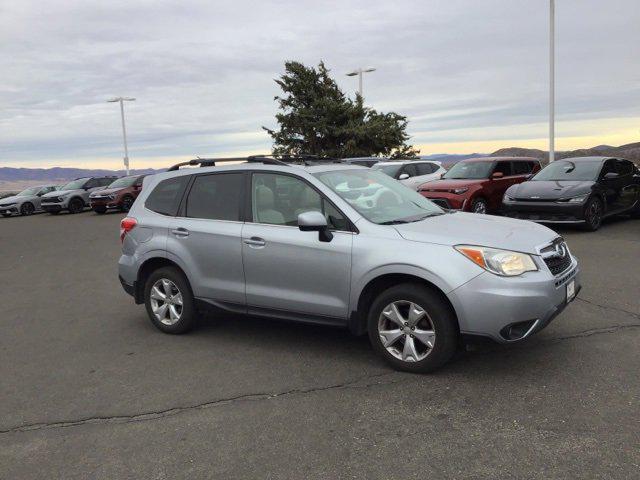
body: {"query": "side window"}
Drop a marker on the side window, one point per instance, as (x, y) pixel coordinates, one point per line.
(608, 167)
(503, 167)
(279, 199)
(535, 167)
(426, 168)
(411, 170)
(625, 167)
(522, 168)
(216, 197)
(106, 181)
(165, 198)
(91, 183)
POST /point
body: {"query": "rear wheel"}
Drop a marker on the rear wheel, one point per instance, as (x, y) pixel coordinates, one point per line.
(100, 210)
(593, 212)
(479, 205)
(127, 202)
(412, 328)
(27, 208)
(169, 301)
(76, 205)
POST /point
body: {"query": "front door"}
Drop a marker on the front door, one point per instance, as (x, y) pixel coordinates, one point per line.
(286, 269)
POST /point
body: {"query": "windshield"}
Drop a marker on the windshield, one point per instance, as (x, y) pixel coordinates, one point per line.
(123, 182)
(76, 184)
(390, 170)
(469, 170)
(377, 197)
(567, 170)
(29, 191)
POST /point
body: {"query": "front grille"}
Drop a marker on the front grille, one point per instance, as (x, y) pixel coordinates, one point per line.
(441, 202)
(557, 257)
(51, 200)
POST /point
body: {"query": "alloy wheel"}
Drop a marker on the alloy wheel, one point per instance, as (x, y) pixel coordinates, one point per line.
(480, 207)
(27, 209)
(406, 331)
(166, 301)
(126, 204)
(594, 214)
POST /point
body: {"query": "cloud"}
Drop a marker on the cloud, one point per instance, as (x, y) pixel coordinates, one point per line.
(202, 71)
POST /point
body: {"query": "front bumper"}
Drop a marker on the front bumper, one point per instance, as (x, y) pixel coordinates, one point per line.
(53, 207)
(545, 212)
(446, 200)
(490, 305)
(9, 210)
(103, 202)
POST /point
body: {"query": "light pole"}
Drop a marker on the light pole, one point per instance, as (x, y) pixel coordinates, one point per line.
(552, 80)
(124, 129)
(359, 72)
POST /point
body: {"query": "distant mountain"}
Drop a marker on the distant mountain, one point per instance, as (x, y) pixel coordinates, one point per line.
(58, 174)
(630, 151)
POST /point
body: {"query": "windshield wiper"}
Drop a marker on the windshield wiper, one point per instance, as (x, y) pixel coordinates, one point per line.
(417, 218)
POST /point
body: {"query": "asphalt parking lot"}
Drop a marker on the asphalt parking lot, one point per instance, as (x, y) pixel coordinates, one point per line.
(90, 389)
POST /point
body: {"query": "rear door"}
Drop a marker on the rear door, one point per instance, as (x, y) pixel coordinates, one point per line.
(288, 270)
(612, 187)
(206, 237)
(629, 188)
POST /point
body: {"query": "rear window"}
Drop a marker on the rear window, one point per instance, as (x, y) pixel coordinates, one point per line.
(165, 198)
(522, 168)
(215, 197)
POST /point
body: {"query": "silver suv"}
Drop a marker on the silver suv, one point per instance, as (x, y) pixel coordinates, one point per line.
(336, 244)
(74, 196)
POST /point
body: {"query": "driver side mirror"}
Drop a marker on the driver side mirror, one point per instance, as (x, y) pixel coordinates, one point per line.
(403, 176)
(497, 175)
(610, 175)
(315, 222)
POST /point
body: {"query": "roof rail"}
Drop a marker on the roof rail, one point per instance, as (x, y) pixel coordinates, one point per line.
(267, 159)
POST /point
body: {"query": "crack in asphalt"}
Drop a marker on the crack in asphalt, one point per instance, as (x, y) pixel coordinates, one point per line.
(152, 415)
(357, 383)
(609, 307)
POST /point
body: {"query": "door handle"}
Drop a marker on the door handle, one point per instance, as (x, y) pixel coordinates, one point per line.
(180, 232)
(255, 242)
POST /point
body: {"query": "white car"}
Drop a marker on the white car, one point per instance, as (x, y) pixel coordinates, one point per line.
(412, 173)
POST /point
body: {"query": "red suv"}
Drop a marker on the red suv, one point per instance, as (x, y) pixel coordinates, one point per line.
(478, 184)
(120, 194)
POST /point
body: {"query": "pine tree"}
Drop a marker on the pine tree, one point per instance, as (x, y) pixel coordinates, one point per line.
(317, 118)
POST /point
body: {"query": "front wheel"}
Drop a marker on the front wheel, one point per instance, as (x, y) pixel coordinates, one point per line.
(169, 301)
(127, 202)
(27, 209)
(100, 210)
(76, 205)
(593, 212)
(412, 328)
(479, 205)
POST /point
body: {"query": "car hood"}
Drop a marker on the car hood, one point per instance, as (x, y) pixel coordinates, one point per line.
(11, 199)
(461, 228)
(549, 189)
(444, 185)
(107, 191)
(60, 193)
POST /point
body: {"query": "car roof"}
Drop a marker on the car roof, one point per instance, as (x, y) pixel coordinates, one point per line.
(586, 159)
(498, 159)
(404, 162)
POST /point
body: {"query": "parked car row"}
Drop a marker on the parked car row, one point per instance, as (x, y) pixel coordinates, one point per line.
(582, 190)
(98, 193)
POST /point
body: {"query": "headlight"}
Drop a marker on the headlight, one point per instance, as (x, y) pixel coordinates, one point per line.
(578, 199)
(8, 204)
(501, 262)
(507, 197)
(112, 196)
(460, 190)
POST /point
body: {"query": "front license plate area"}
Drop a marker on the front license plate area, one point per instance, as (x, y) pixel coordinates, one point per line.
(571, 290)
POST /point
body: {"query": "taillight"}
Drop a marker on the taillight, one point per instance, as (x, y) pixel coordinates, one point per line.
(126, 225)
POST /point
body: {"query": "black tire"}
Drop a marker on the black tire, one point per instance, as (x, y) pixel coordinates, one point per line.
(479, 205)
(100, 210)
(27, 208)
(127, 202)
(593, 212)
(76, 205)
(188, 317)
(440, 316)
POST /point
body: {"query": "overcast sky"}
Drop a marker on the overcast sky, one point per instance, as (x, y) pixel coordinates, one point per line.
(471, 75)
